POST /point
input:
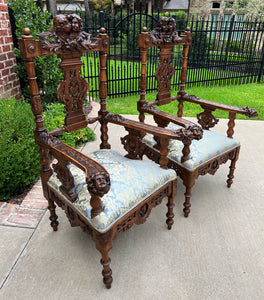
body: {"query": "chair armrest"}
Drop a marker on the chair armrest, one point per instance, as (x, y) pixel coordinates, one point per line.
(97, 177)
(162, 136)
(146, 108)
(249, 112)
(191, 132)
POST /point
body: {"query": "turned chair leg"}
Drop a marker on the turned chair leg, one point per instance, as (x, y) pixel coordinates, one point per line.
(232, 169)
(187, 203)
(53, 217)
(107, 272)
(170, 205)
(104, 243)
(231, 173)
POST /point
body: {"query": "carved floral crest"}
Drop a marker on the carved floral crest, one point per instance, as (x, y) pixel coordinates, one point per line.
(66, 34)
(165, 32)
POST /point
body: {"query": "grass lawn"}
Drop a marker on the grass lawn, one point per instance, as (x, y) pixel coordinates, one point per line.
(124, 75)
(251, 95)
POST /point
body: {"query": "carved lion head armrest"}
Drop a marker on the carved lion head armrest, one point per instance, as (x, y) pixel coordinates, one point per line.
(97, 177)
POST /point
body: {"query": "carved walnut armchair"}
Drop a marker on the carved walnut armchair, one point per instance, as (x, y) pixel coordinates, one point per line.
(104, 193)
(200, 156)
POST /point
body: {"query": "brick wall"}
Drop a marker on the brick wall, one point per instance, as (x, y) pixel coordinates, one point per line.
(9, 82)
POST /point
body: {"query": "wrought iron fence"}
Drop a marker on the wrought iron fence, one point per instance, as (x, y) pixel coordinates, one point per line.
(224, 51)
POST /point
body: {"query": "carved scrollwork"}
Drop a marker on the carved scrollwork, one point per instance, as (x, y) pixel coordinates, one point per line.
(115, 117)
(192, 132)
(72, 91)
(133, 144)
(67, 34)
(128, 223)
(164, 73)
(213, 166)
(149, 108)
(65, 177)
(165, 32)
(47, 139)
(206, 119)
(143, 210)
(250, 112)
(98, 184)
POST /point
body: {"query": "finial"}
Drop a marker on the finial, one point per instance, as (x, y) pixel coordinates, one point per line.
(188, 28)
(102, 30)
(144, 29)
(26, 31)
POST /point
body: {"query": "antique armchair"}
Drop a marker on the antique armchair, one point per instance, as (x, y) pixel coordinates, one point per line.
(201, 155)
(104, 193)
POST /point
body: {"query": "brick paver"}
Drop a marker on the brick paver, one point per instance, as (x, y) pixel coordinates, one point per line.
(28, 213)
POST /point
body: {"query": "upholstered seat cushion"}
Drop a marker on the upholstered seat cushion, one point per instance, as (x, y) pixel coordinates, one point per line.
(132, 181)
(210, 146)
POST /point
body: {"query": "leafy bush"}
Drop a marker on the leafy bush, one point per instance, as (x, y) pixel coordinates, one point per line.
(19, 158)
(54, 118)
(28, 15)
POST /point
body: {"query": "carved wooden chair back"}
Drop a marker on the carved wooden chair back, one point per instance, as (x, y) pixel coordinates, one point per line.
(103, 193)
(164, 37)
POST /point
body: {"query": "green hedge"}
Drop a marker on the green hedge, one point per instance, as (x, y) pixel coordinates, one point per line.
(54, 118)
(19, 158)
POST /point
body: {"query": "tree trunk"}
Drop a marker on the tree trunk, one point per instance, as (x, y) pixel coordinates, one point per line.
(52, 7)
(112, 7)
(40, 4)
(87, 14)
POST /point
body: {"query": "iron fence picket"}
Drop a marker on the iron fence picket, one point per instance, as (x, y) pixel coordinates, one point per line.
(224, 51)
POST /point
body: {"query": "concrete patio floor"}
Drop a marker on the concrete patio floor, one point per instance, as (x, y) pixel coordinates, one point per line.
(217, 253)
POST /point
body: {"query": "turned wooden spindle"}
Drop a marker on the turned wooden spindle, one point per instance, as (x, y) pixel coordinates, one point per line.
(164, 151)
(143, 79)
(231, 124)
(103, 95)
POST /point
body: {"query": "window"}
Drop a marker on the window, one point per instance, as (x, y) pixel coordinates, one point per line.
(216, 5)
(238, 27)
(229, 4)
(214, 22)
(225, 26)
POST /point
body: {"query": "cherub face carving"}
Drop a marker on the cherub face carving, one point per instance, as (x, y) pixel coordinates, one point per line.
(61, 24)
(99, 184)
(76, 23)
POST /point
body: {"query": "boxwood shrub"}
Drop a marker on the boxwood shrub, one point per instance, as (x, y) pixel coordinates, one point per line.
(54, 118)
(19, 158)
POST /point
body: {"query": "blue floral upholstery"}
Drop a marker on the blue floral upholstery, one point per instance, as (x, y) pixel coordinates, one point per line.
(210, 146)
(132, 181)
